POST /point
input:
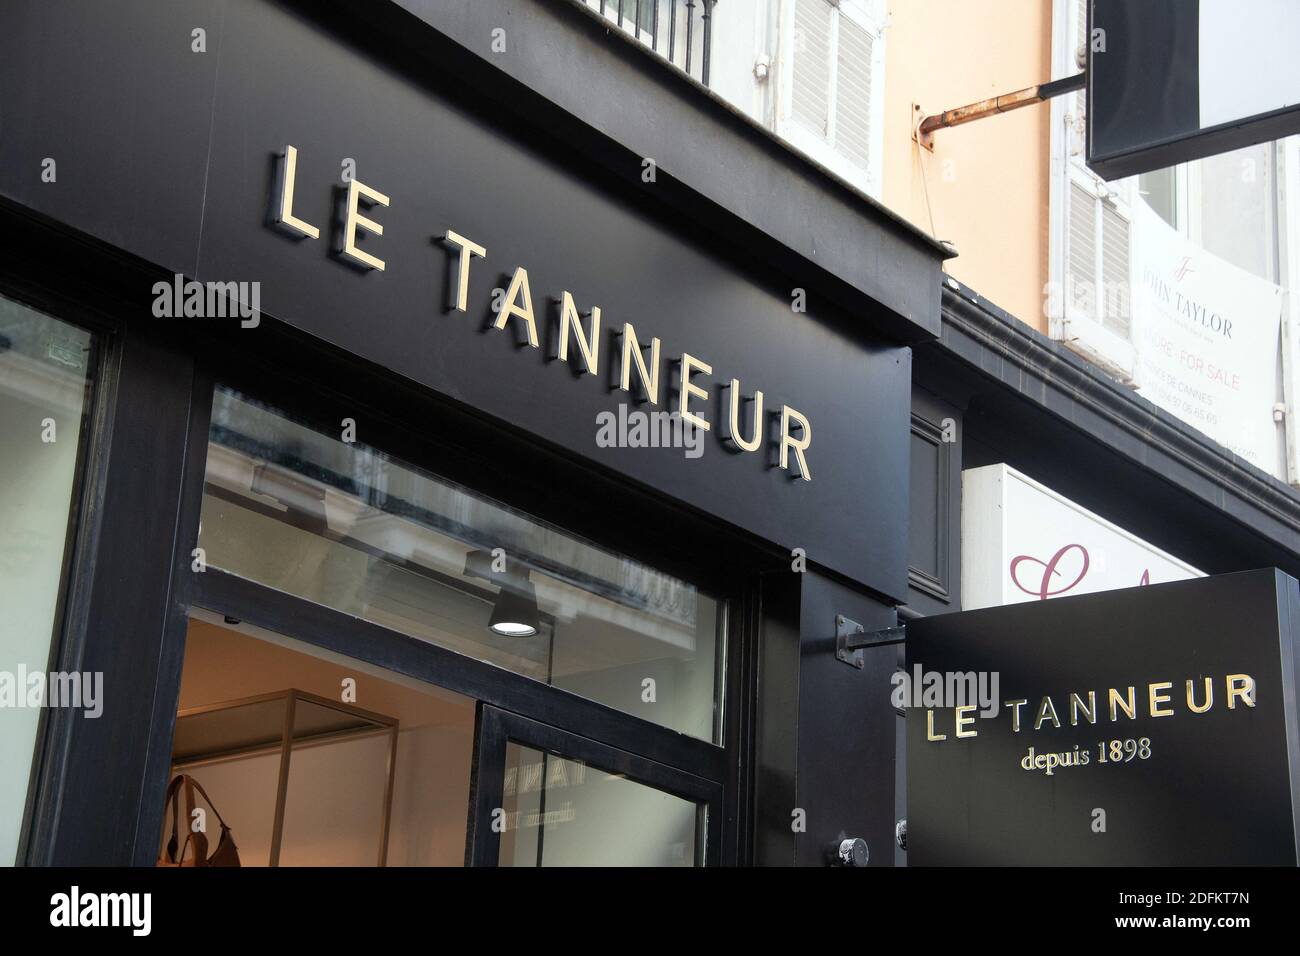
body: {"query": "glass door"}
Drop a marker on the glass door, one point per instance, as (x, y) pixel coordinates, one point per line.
(543, 796)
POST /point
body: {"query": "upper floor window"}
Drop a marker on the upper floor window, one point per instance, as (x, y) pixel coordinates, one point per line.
(1172, 281)
(830, 84)
(1226, 204)
(1092, 240)
(812, 71)
(680, 31)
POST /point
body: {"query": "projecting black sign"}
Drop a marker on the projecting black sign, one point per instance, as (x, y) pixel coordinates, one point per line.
(1148, 726)
(1175, 80)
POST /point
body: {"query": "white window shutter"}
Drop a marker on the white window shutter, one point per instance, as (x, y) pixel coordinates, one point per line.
(829, 95)
(853, 92)
(810, 87)
(1114, 304)
(1080, 252)
(1091, 226)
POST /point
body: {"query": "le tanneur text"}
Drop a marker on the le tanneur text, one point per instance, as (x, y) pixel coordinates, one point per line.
(792, 430)
(1079, 708)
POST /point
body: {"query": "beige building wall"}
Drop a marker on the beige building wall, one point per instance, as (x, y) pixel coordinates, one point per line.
(987, 181)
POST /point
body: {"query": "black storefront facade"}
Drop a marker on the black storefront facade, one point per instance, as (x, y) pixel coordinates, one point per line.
(473, 234)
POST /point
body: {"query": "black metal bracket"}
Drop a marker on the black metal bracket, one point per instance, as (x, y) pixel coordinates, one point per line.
(851, 637)
(1066, 84)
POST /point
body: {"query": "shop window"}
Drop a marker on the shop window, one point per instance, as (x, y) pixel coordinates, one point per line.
(314, 759)
(563, 812)
(285, 754)
(346, 526)
(45, 388)
(831, 81)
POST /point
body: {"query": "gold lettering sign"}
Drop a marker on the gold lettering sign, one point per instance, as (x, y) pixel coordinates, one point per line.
(354, 221)
(1240, 689)
(638, 372)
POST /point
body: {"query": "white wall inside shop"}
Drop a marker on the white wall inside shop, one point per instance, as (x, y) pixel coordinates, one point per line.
(37, 479)
(334, 803)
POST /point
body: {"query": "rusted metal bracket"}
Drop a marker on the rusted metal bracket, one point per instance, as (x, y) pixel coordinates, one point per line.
(926, 126)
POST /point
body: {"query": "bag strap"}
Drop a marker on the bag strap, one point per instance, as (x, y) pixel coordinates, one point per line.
(200, 839)
(175, 847)
(199, 787)
(172, 799)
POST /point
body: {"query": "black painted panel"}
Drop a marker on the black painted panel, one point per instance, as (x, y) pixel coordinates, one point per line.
(129, 608)
(707, 146)
(846, 727)
(283, 79)
(1144, 87)
(116, 96)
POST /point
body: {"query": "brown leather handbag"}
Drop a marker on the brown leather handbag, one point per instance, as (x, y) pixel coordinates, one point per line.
(225, 853)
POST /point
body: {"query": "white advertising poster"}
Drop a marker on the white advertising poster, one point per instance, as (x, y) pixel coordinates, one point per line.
(1207, 339)
(1021, 541)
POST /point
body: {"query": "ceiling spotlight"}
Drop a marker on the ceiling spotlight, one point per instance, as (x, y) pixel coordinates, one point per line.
(515, 613)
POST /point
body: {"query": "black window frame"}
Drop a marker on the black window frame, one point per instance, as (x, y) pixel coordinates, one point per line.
(495, 728)
(474, 464)
(97, 797)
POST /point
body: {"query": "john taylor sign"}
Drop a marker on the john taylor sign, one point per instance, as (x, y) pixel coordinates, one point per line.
(1146, 726)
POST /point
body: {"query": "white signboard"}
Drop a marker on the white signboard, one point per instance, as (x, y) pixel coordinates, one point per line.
(1246, 59)
(1207, 339)
(1021, 541)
